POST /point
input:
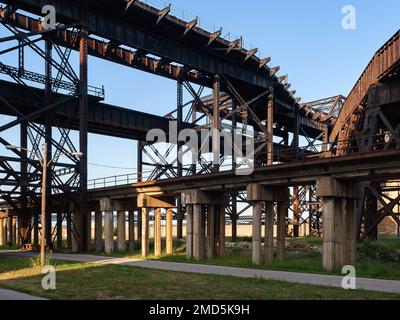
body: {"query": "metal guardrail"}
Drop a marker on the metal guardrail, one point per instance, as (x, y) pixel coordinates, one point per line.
(288, 155)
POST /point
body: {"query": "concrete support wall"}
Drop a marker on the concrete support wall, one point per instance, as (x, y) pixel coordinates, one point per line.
(121, 231)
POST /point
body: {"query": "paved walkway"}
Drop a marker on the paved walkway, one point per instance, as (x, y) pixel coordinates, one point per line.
(389, 286)
(13, 295)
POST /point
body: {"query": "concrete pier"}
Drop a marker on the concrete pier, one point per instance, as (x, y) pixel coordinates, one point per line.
(157, 232)
(339, 246)
(189, 232)
(145, 232)
(147, 202)
(168, 232)
(256, 242)
(105, 206)
(205, 233)
(260, 196)
(121, 231)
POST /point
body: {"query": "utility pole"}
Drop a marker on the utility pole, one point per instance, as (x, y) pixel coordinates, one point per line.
(44, 197)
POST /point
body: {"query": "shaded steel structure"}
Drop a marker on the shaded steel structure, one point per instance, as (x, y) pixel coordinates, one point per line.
(247, 94)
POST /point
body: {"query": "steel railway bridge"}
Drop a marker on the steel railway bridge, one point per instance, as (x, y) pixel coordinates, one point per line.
(310, 158)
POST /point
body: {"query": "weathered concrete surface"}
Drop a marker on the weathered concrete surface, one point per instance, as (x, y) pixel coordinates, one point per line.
(389, 286)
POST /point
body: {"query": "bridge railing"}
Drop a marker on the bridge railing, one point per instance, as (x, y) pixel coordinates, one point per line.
(361, 144)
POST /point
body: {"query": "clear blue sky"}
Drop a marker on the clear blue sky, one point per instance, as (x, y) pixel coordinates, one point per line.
(304, 37)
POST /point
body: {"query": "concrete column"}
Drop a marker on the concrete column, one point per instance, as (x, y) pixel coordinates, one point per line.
(145, 232)
(211, 241)
(256, 247)
(332, 220)
(169, 235)
(121, 231)
(281, 239)
(339, 223)
(221, 237)
(351, 233)
(269, 232)
(340, 233)
(131, 225)
(198, 244)
(189, 231)
(2, 242)
(157, 232)
(98, 230)
(108, 231)
(75, 232)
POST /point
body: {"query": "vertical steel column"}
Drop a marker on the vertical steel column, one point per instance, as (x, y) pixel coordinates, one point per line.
(234, 215)
(179, 211)
(48, 141)
(215, 126)
(83, 130)
(25, 217)
(296, 133)
(139, 162)
(270, 127)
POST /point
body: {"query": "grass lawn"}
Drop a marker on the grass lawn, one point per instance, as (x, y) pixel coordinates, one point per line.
(294, 261)
(90, 281)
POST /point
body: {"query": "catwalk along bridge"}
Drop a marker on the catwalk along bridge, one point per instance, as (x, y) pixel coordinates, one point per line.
(310, 158)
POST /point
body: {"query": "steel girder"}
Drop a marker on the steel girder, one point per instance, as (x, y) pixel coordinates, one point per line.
(26, 185)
